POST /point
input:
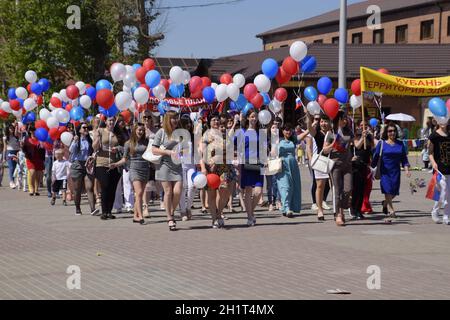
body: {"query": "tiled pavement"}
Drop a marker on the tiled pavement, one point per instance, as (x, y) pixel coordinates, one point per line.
(280, 258)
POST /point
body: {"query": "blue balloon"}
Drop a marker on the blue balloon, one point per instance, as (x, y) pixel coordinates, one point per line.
(20, 101)
(270, 68)
(437, 107)
(176, 91)
(138, 85)
(136, 66)
(76, 113)
(341, 95)
(49, 140)
(89, 119)
(209, 94)
(196, 173)
(152, 78)
(29, 118)
(62, 124)
(233, 106)
(111, 112)
(103, 84)
(36, 88)
(324, 85)
(311, 93)
(266, 98)
(41, 134)
(247, 108)
(45, 84)
(91, 92)
(161, 108)
(241, 102)
(373, 122)
(12, 93)
(309, 64)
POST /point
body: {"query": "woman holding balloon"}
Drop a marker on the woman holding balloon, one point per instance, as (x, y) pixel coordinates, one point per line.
(35, 157)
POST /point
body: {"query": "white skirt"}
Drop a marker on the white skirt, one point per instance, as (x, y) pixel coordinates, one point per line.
(320, 175)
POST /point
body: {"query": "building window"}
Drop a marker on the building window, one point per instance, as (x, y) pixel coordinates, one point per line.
(318, 41)
(401, 34)
(378, 36)
(357, 38)
(448, 26)
(427, 30)
(335, 40)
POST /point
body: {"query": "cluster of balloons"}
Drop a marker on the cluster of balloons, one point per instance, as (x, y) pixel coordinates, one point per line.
(200, 180)
(440, 110)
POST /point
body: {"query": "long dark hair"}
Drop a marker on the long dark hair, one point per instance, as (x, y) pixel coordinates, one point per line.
(7, 134)
(134, 140)
(88, 138)
(385, 131)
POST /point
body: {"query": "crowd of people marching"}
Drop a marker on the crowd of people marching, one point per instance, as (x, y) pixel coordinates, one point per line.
(105, 160)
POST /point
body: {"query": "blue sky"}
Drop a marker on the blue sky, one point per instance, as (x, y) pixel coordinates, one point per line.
(212, 32)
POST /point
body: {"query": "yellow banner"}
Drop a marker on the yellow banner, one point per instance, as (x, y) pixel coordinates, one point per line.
(375, 81)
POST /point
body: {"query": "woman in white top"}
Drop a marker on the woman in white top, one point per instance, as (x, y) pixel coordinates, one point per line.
(11, 147)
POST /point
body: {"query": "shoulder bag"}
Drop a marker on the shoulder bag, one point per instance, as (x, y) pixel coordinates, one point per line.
(148, 154)
(321, 163)
(377, 175)
(274, 166)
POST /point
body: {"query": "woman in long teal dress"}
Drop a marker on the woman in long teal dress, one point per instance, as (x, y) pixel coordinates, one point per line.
(288, 180)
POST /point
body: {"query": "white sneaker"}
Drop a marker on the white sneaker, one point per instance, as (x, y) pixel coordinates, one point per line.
(118, 211)
(435, 217)
(446, 220)
(314, 207)
(325, 206)
(12, 185)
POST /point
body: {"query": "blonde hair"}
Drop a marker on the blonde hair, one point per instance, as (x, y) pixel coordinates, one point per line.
(166, 122)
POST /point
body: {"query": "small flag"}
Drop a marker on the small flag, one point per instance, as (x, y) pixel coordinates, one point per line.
(434, 189)
(298, 103)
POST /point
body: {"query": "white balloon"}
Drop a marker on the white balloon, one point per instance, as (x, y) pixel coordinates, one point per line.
(130, 80)
(262, 83)
(63, 95)
(159, 91)
(75, 103)
(275, 106)
(313, 108)
(186, 77)
(130, 69)
(176, 75)
(441, 120)
(29, 104)
(141, 95)
(233, 91)
(125, 88)
(56, 95)
(132, 106)
(214, 85)
(62, 115)
(6, 107)
(86, 101)
(17, 114)
(264, 117)
(221, 92)
(44, 114)
(21, 93)
(200, 181)
(31, 76)
(239, 80)
(81, 87)
(355, 101)
(66, 138)
(298, 50)
(118, 71)
(123, 100)
(52, 122)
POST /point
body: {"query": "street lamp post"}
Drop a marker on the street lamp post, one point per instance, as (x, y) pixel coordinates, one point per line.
(343, 45)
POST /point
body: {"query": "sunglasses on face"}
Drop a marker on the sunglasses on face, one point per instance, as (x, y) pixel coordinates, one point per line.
(391, 131)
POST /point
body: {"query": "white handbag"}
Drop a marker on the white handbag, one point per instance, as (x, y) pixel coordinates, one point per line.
(322, 164)
(274, 166)
(149, 156)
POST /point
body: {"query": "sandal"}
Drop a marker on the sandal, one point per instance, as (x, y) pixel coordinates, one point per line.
(172, 225)
(340, 222)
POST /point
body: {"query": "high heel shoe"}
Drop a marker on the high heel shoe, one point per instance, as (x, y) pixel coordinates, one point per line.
(172, 225)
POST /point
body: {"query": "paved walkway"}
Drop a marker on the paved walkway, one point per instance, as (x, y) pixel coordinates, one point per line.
(280, 258)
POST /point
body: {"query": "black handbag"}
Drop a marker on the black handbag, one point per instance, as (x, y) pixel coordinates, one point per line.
(252, 167)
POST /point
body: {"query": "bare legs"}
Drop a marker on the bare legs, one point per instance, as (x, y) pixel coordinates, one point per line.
(252, 202)
(172, 194)
(319, 195)
(139, 195)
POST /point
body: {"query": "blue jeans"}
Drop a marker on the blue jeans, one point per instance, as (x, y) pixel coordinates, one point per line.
(48, 173)
(12, 164)
(272, 189)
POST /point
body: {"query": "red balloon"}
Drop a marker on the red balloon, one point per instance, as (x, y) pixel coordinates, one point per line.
(383, 70)
(140, 74)
(282, 76)
(195, 84)
(356, 87)
(226, 78)
(143, 85)
(331, 108)
(149, 64)
(257, 101)
(48, 146)
(88, 85)
(68, 107)
(105, 98)
(321, 100)
(41, 124)
(72, 92)
(165, 83)
(198, 94)
(39, 100)
(281, 94)
(206, 82)
(290, 66)
(61, 130)
(250, 90)
(56, 102)
(24, 111)
(15, 105)
(29, 88)
(141, 107)
(213, 181)
(54, 134)
(126, 115)
(3, 114)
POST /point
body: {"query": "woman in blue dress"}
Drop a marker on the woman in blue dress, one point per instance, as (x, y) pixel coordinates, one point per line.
(288, 180)
(393, 154)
